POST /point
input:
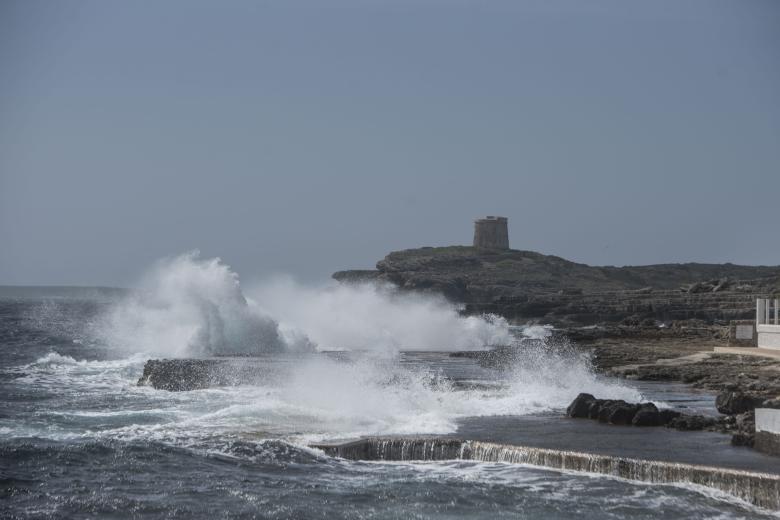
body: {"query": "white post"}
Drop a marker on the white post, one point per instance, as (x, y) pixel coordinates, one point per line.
(759, 311)
(777, 315)
(766, 311)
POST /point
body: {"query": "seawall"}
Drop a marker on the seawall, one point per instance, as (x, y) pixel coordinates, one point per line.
(760, 489)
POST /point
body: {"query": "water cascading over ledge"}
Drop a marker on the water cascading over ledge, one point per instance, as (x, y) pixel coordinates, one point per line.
(760, 489)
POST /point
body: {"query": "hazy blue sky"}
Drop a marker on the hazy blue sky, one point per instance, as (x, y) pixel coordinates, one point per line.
(294, 137)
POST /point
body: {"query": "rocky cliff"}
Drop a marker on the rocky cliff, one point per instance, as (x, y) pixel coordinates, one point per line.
(524, 285)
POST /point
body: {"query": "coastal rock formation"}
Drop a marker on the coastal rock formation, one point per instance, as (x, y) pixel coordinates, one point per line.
(527, 286)
(619, 412)
(744, 427)
(688, 359)
(648, 415)
(580, 406)
(742, 383)
(732, 403)
(180, 375)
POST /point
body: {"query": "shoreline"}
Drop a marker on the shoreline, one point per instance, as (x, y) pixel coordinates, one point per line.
(741, 383)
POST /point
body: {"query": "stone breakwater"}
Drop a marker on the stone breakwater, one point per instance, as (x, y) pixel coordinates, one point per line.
(181, 375)
(760, 489)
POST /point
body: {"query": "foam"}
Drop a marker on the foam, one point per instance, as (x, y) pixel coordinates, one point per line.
(375, 317)
(189, 306)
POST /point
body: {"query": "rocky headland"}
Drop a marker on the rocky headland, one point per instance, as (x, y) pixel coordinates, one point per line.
(524, 286)
(651, 323)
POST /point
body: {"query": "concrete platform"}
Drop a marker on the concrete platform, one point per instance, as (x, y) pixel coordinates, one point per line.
(583, 435)
(749, 351)
(760, 489)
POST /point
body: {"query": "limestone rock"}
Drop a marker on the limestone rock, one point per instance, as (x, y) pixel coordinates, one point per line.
(181, 375)
(736, 402)
(525, 286)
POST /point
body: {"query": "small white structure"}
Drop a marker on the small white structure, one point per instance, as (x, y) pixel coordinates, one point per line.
(768, 323)
(768, 431)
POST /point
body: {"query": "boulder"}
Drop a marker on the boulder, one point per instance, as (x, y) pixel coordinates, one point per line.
(623, 413)
(608, 407)
(771, 403)
(745, 425)
(181, 375)
(666, 416)
(731, 403)
(743, 439)
(746, 421)
(647, 415)
(177, 375)
(685, 422)
(580, 406)
(595, 408)
(619, 412)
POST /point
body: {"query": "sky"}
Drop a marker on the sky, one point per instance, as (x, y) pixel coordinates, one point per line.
(308, 137)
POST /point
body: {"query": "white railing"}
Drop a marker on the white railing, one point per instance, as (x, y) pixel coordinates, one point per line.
(767, 311)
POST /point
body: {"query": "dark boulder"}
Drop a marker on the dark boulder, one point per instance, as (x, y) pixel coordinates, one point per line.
(746, 421)
(666, 416)
(731, 403)
(181, 375)
(580, 406)
(595, 408)
(619, 412)
(745, 425)
(743, 439)
(177, 375)
(771, 403)
(685, 422)
(647, 415)
(623, 413)
(607, 407)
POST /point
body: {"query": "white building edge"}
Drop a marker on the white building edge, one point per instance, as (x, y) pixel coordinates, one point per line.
(768, 329)
(768, 323)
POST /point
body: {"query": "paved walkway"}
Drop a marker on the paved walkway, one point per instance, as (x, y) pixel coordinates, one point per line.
(749, 351)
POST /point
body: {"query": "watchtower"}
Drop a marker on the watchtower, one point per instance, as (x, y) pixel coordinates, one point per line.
(491, 233)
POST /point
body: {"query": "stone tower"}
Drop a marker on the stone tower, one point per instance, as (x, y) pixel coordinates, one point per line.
(491, 233)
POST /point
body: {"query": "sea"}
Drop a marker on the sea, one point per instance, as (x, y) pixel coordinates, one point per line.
(79, 438)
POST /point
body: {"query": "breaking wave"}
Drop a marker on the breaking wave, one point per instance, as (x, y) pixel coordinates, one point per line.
(376, 317)
(188, 306)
